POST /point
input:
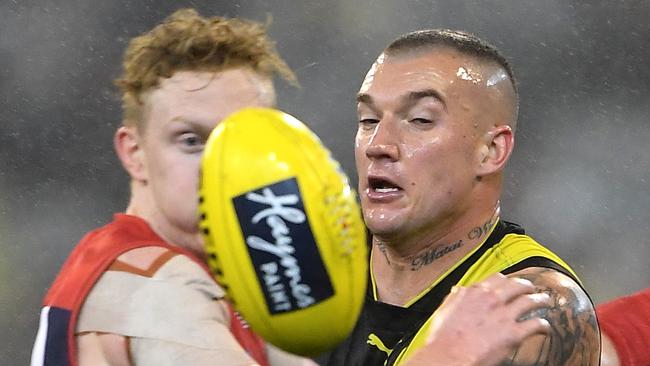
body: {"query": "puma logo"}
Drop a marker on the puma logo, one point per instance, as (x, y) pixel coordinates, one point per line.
(373, 340)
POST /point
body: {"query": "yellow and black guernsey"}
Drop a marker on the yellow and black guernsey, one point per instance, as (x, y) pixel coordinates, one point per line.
(386, 334)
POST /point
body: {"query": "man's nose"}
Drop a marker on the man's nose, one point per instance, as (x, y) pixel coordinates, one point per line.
(383, 142)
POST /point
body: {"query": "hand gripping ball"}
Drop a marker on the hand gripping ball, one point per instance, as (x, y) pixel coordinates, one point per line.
(283, 231)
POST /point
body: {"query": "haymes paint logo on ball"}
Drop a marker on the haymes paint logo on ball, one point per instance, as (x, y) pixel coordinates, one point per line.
(282, 247)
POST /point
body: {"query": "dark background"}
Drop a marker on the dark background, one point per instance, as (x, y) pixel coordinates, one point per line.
(579, 179)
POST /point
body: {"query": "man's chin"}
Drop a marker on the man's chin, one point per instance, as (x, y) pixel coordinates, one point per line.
(384, 230)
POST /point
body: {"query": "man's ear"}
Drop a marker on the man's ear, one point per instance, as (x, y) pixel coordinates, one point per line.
(128, 145)
(498, 143)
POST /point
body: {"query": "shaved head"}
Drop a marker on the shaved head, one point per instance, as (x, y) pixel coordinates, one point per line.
(490, 68)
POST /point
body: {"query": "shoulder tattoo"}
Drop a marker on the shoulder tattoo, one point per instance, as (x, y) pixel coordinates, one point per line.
(574, 339)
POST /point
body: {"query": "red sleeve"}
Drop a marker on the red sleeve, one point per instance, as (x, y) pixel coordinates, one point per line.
(626, 321)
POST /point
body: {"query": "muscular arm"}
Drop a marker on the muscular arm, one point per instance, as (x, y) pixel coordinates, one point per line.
(479, 325)
(574, 339)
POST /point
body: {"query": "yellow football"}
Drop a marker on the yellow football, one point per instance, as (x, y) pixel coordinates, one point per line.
(283, 231)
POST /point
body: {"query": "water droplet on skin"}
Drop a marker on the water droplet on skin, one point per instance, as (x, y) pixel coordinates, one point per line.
(498, 77)
(469, 75)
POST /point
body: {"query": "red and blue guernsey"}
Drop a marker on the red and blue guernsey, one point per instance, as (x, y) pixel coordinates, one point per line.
(55, 342)
(626, 320)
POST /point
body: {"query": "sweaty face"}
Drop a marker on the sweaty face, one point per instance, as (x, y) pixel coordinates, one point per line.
(421, 122)
(181, 113)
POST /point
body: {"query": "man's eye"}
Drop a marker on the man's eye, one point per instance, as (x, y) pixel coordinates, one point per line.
(191, 140)
(421, 121)
(368, 121)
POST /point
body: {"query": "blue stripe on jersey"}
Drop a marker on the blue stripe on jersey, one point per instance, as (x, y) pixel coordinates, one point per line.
(56, 344)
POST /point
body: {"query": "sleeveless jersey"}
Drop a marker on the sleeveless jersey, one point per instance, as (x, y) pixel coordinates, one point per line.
(386, 334)
(55, 342)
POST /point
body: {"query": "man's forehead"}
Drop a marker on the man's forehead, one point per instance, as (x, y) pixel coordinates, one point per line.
(197, 86)
(207, 97)
(194, 80)
(401, 75)
(187, 80)
(438, 65)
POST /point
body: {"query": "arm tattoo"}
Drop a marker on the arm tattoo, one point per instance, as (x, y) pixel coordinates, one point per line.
(574, 339)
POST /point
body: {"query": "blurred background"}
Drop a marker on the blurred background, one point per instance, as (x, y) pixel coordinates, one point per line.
(579, 180)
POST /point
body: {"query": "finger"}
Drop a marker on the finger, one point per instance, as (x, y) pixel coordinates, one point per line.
(524, 305)
(532, 326)
(498, 280)
(514, 287)
(494, 280)
(506, 289)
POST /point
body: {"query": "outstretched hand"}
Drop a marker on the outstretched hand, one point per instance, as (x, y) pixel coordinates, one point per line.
(482, 324)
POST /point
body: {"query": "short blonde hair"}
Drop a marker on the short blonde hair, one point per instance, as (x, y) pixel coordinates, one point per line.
(188, 41)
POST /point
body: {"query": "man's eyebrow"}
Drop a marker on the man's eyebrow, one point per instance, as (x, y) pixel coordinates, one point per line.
(414, 96)
(194, 124)
(365, 99)
(410, 98)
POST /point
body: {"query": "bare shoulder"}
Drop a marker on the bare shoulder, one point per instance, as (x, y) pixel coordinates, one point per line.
(575, 338)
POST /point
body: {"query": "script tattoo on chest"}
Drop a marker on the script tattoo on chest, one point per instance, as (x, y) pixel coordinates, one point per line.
(431, 255)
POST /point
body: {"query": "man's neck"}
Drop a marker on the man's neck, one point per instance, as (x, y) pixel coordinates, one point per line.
(402, 272)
